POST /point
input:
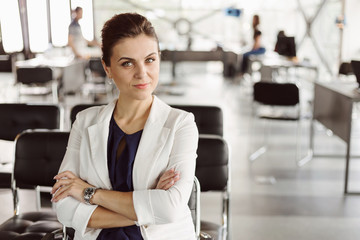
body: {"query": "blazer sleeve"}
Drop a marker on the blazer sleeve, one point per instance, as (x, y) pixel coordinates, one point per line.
(71, 212)
(159, 206)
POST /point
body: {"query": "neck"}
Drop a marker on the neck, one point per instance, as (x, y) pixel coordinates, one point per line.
(129, 110)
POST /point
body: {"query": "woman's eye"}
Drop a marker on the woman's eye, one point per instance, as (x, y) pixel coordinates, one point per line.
(126, 64)
(150, 60)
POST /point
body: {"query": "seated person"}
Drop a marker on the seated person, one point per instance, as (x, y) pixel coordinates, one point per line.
(280, 34)
(257, 49)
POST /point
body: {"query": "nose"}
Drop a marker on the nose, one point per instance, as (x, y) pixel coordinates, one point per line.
(140, 71)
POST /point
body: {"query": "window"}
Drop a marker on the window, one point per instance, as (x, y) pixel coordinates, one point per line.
(12, 37)
(59, 21)
(38, 25)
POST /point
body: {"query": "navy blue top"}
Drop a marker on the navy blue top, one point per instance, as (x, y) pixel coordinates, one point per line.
(120, 173)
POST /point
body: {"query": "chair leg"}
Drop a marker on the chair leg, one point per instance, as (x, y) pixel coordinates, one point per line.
(38, 198)
(309, 155)
(300, 161)
(226, 216)
(15, 192)
(257, 153)
(260, 151)
(54, 88)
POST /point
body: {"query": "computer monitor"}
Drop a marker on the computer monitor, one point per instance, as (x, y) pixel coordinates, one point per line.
(285, 46)
(355, 65)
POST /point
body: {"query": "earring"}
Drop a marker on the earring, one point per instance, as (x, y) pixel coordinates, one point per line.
(109, 81)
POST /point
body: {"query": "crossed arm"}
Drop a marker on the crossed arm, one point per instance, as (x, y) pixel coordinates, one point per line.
(115, 209)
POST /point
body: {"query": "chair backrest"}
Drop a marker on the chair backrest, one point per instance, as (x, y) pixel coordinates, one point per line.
(78, 108)
(345, 68)
(279, 94)
(212, 170)
(38, 155)
(212, 163)
(16, 118)
(34, 75)
(209, 119)
(96, 66)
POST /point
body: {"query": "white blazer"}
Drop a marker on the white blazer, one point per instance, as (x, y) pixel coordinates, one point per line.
(169, 140)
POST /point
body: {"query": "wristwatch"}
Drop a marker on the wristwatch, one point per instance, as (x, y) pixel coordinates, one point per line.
(88, 194)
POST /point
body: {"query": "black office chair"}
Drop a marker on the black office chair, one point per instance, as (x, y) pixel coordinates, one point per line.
(209, 119)
(96, 80)
(78, 108)
(40, 81)
(38, 155)
(16, 118)
(276, 101)
(194, 205)
(212, 170)
(345, 69)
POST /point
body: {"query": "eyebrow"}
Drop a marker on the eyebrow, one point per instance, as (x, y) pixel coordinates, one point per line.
(131, 59)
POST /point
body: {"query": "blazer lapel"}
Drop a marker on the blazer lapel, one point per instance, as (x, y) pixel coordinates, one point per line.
(98, 139)
(152, 142)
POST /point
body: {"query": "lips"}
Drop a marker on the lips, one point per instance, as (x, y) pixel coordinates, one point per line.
(142, 86)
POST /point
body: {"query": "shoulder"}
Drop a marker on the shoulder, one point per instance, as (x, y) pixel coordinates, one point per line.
(90, 112)
(172, 115)
(74, 23)
(174, 118)
(93, 115)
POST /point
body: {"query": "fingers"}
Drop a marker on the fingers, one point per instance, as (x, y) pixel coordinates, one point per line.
(68, 184)
(60, 194)
(171, 182)
(66, 174)
(59, 184)
(168, 179)
(168, 174)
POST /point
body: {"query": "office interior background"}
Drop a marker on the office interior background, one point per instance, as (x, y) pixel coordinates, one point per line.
(272, 197)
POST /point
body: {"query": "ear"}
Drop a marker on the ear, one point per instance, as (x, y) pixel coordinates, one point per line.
(106, 68)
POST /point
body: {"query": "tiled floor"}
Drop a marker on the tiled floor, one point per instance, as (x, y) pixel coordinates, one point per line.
(302, 203)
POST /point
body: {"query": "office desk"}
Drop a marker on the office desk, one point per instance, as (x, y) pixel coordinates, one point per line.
(71, 72)
(333, 105)
(229, 59)
(270, 63)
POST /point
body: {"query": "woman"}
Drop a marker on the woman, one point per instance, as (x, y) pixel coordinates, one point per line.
(257, 49)
(120, 177)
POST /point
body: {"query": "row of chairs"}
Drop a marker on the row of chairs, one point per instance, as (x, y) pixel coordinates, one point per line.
(212, 163)
(41, 80)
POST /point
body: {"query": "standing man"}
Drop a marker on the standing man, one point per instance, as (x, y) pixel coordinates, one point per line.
(76, 40)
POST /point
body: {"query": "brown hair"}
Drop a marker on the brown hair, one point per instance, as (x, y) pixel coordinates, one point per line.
(256, 21)
(121, 26)
(77, 9)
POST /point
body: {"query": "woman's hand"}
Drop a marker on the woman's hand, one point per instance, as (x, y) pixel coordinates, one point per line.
(168, 179)
(68, 184)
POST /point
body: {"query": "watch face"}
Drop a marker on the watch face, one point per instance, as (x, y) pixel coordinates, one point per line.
(88, 193)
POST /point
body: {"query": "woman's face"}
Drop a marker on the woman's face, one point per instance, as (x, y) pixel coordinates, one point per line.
(134, 66)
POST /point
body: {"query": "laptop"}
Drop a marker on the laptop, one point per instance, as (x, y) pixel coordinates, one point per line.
(355, 65)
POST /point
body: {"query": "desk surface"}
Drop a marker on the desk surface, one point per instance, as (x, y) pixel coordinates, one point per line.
(281, 61)
(59, 62)
(178, 56)
(349, 90)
